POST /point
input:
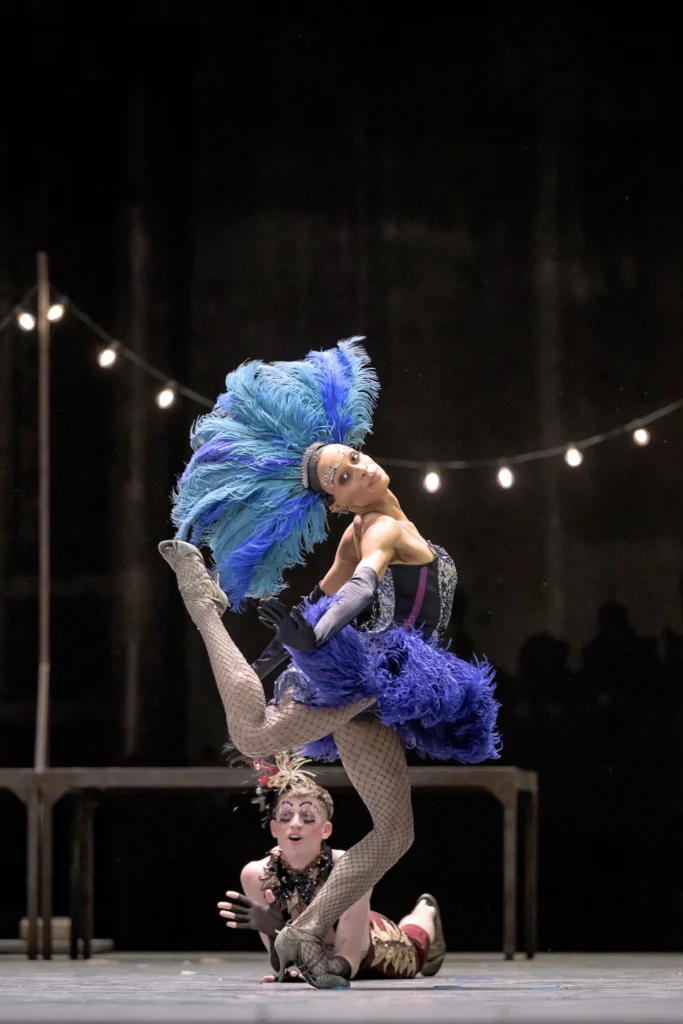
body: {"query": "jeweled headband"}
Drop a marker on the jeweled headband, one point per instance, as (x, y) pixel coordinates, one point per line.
(309, 467)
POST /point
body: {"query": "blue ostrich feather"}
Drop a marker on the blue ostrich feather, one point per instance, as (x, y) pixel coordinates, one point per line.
(439, 704)
(241, 493)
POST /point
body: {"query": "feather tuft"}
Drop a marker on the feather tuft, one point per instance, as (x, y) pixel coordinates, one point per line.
(241, 494)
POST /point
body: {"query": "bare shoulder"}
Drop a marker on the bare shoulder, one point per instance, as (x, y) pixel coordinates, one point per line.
(379, 529)
(375, 521)
(347, 550)
(336, 854)
(254, 869)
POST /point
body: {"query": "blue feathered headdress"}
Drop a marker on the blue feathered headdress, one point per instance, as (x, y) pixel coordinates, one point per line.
(241, 494)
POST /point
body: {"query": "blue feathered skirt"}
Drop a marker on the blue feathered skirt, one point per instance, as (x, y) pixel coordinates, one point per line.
(438, 704)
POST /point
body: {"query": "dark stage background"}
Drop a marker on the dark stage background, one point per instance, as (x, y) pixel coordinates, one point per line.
(496, 204)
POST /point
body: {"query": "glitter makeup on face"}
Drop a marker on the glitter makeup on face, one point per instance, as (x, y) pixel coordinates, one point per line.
(306, 807)
(327, 479)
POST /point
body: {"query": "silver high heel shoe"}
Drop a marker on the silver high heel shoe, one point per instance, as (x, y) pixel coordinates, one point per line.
(289, 951)
(194, 582)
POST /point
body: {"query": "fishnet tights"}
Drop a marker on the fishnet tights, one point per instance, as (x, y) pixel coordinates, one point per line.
(255, 727)
(375, 763)
(370, 753)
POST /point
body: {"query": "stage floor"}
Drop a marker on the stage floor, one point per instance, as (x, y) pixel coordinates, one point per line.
(219, 987)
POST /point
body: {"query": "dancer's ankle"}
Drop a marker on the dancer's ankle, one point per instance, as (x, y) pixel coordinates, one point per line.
(424, 916)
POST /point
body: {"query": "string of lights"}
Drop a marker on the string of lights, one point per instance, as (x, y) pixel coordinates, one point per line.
(16, 311)
(107, 356)
(572, 452)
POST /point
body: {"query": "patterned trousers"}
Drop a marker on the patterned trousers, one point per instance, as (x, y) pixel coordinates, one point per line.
(394, 952)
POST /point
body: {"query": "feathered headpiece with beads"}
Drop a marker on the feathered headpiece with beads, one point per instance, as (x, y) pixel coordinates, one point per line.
(281, 772)
(277, 774)
(242, 493)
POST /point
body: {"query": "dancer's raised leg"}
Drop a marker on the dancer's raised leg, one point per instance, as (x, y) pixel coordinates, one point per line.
(255, 726)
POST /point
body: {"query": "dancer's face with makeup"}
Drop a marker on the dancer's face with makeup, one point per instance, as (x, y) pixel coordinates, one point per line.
(300, 826)
(354, 480)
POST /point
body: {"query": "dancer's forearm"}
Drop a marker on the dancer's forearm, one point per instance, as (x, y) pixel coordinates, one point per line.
(352, 598)
(275, 654)
(270, 659)
(352, 933)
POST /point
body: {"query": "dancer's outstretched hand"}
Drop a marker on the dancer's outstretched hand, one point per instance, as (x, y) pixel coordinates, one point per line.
(289, 624)
(292, 975)
(244, 913)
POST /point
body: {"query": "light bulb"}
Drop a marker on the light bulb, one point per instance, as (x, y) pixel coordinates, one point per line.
(55, 312)
(573, 457)
(506, 477)
(26, 321)
(106, 357)
(432, 482)
(166, 397)
(641, 436)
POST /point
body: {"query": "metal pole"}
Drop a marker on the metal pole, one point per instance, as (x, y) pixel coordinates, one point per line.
(41, 753)
(549, 387)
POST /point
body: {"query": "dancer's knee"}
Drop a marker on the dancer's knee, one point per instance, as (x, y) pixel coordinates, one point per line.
(407, 837)
(398, 835)
(274, 731)
(248, 740)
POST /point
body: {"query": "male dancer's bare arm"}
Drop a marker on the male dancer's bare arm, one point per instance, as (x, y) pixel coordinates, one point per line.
(353, 933)
(251, 886)
(250, 879)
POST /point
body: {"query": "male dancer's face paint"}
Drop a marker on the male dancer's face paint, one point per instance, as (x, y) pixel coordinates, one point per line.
(300, 826)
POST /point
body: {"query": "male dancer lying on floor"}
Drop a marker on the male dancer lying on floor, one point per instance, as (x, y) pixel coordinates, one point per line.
(277, 888)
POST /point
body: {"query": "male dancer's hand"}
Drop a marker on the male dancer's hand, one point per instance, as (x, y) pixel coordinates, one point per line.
(291, 975)
(242, 912)
(289, 624)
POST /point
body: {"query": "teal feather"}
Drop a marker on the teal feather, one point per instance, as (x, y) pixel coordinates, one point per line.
(241, 493)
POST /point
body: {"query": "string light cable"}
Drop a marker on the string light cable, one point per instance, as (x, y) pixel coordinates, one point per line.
(115, 348)
(505, 477)
(16, 311)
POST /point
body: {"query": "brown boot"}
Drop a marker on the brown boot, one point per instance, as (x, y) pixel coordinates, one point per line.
(437, 949)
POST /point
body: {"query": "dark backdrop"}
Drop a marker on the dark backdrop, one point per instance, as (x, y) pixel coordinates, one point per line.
(496, 204)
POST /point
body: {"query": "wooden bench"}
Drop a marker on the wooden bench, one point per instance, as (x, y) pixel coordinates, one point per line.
(515, 789)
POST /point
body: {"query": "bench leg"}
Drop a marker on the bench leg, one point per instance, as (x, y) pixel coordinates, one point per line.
(531, 873)
(510, 876)
(46, 815)
(75, 872)
(87, 874)
(32, 872)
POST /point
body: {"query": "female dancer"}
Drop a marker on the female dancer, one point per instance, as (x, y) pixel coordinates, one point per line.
(279, 448)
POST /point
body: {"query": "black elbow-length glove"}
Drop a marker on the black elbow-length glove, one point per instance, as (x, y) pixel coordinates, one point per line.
(291, 627)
